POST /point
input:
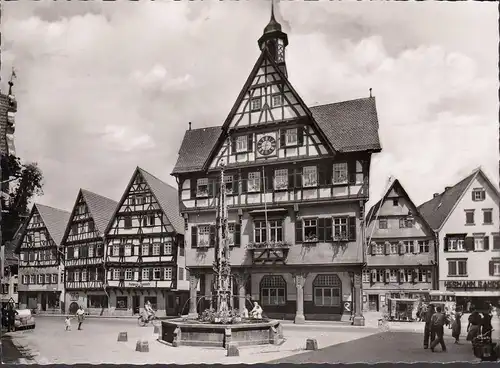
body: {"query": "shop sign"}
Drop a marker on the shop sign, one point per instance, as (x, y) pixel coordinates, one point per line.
(139, 284)
(473, 284)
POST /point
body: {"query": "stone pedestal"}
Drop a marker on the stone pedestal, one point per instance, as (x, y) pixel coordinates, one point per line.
(358, 319)
(241, 280)
(300, 279)
(193, 284)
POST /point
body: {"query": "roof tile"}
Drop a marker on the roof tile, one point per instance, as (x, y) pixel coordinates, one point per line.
(101, 208)
(55, 220)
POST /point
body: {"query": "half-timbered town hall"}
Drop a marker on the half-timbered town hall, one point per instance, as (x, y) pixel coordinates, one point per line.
(297, 180)
(84, 252)
(145, 249)
(41, 270)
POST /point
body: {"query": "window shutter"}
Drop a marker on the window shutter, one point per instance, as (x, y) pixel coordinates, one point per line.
(402, 249)
(415, 276)
(483, 195)
(401, 276)
(321, 175)
(373, 276)
(162, 273)
(291, 179)
(486, 242)
(496, 242)
(244, 184)
(328, 168)
(450, 267)
(351, 171)
(298, 178)
(237, 235)
(472, 195)
(387, 248)
(387, 276)
(212, 236)
(122, 251)
(250, 142)
(162, 249)
(328, 229)
(151, 274)
(235, 186)
(445, 244)
(373, 248)
(320, 229)
(352, 228)
(211, 188)
(300, 136)
(469, 243)
(194, 236)
(282, 138)
(298, 230)
(193, 188)
(269, 180)
(416, 247)
(491, 266)
(150, 249)
(139, 278)
(233, 145)
(429, 276)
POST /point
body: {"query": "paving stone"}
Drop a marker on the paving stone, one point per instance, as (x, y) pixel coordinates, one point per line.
(122, 336)
(311, 344)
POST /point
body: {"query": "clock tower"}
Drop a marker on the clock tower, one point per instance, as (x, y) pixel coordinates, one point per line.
(275, 41)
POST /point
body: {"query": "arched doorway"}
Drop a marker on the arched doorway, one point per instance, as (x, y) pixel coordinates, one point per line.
(327, 297)
(73, 307)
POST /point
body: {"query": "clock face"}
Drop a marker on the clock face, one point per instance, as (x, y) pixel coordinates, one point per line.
(266, 145)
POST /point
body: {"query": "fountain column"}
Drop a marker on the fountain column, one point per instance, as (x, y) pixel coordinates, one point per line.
(241, 279)
(359, 319)
(193, 285)
(300, 279)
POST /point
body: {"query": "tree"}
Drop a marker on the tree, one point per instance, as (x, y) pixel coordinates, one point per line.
(26, 181)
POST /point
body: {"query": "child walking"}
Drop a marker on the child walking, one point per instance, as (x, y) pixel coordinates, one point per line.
(67, 323)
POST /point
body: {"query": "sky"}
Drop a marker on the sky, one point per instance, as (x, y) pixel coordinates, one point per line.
(103, 87)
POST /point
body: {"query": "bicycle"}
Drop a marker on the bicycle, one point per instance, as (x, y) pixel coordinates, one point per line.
(146, 321)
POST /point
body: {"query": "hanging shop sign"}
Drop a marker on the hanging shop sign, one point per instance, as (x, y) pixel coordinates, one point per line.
(473, 284)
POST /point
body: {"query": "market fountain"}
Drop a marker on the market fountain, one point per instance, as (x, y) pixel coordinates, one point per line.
(221, 325)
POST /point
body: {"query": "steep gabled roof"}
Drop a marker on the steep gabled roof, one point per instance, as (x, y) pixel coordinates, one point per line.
(168, 199)
(437, 210)
(349, 125)
(165, 194)
(101, 208)
(54, 219)
(396, 185)
(195, 149)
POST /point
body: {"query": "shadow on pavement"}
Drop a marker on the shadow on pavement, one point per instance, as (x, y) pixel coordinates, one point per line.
(11, 353)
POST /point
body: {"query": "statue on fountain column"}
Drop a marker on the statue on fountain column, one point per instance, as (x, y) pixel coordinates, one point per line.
(256, 312)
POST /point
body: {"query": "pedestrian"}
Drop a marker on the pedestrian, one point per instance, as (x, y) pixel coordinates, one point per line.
(468, 307)
(438, 321)
(474, 324)
(67, 323)
(486, 326)
(456, 327)
(11, 315)
(427, 327)
(80, 314)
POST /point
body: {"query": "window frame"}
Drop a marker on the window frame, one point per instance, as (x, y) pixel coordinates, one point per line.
(202, 235)
(490, 212)
(280, 179)
(254, 182)
(168, 247)
(202, 183)
(273, 100)
(270, 283)
(482, 194)
(383, 221)
(129, 274)
(168, 273)
(121, 298)
(312, 238)
(457, 262)
(345, 234)
(289, 134)
(470, 212)
(310, 176)
(479, 238)
(255, 104)
(241, 143)
(156, 276)
(340, 170)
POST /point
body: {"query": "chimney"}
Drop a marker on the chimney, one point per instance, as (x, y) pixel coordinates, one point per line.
(189, 125)
(435, 195)
(370, 92)
(446, 188)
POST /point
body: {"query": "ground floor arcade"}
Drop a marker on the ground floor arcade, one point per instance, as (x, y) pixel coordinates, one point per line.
(284, 292)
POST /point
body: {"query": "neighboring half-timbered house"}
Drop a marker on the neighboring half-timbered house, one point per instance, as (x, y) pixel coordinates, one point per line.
(83, 246)
(145, 249)
(296, 179)
(41, 269)
(401, 252)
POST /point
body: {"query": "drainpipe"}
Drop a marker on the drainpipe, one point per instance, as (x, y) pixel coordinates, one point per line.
(436, 261)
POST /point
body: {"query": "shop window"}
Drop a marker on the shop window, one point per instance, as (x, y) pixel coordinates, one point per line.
(122, 302)
(52, 300)
(97, 301)
(153, 300)
(327, 290)
(273, 290)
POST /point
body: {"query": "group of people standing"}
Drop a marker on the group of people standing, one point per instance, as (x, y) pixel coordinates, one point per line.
(9, 317)
(436, 320)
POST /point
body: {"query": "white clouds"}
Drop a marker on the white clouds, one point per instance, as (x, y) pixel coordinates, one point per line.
(105, 87)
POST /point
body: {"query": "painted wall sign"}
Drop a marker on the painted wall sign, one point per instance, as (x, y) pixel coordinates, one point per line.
(473, 284)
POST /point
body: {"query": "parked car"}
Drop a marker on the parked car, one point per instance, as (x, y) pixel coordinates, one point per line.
(24, 319)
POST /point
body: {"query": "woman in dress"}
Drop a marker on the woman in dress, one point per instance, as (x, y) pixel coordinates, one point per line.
(474, 324)
(456, 327)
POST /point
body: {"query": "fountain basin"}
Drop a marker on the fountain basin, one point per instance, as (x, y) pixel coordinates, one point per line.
(195, 333)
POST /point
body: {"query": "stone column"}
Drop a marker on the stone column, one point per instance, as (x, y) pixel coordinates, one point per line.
(300, 279)
(241, 279)
(357, 298)
(194, 278)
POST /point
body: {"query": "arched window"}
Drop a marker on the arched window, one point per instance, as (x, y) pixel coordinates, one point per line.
(327, 291)
(273, 290)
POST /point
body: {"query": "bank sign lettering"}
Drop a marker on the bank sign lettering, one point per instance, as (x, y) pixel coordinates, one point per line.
(473, 284)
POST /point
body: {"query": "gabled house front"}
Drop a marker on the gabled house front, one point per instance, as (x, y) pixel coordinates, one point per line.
(296, 181)
(83, 247)
(466, 218)
(144, 255)
(401, 251)
(41, 266)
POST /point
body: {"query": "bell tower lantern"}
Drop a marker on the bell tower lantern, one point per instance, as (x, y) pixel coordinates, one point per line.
(275, 40)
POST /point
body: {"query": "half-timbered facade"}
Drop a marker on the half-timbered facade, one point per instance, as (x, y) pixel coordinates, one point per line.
(401, 252)
(83, 246)
(41, 269)
(145, 249)
(296, 179)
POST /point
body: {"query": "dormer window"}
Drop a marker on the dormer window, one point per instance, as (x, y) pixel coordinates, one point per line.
(277, 101)
(478, 194)
(255, 104)
(202, 187)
